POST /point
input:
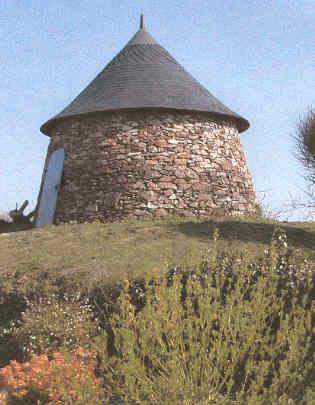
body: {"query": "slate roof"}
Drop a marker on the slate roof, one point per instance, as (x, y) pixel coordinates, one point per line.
(144, 75)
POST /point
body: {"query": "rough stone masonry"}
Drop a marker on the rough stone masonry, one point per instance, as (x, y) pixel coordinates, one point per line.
(150, 163)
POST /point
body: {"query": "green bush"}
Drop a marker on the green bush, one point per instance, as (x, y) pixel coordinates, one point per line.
(228, 331)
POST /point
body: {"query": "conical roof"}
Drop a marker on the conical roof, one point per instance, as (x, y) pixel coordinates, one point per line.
(145, 76)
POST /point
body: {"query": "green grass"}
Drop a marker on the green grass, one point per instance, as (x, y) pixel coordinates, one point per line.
(110, 251)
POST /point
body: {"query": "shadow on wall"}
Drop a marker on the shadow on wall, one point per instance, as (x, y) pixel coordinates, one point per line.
(248, 232)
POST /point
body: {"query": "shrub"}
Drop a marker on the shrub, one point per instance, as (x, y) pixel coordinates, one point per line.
(51, 323)
(229, 330)
(67, 378)
(19, 291)
(305, 143)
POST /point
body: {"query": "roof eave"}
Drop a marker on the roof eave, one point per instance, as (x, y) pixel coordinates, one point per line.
(241, 123)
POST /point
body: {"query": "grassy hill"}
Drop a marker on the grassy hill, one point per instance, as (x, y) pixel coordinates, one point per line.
(136, 247)
(232, 331)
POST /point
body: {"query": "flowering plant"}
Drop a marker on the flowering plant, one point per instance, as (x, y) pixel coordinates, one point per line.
(52, 322)
(66, 378)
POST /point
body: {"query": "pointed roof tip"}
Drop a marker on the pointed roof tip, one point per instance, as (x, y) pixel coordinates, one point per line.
(142, 37)
(141, 21)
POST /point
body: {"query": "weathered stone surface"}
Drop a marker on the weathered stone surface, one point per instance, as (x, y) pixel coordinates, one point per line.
(144, 163)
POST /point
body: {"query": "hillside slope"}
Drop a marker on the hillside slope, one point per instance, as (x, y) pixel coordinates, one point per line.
(138, 247)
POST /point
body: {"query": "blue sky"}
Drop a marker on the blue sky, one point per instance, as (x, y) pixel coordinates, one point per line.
(257, 57)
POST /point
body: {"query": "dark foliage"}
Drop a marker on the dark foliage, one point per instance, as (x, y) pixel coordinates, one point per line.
(305, 142)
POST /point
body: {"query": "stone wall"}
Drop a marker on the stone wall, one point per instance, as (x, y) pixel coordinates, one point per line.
(136, 164)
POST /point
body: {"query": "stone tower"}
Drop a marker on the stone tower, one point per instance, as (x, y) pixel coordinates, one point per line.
(146, 139)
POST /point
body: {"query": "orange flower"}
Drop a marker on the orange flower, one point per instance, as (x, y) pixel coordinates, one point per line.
(4, 371)
(55, 378)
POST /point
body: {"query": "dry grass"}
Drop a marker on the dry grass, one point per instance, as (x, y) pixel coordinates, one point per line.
(137, 247)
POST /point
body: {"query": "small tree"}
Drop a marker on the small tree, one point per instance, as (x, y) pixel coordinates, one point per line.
(305, 142)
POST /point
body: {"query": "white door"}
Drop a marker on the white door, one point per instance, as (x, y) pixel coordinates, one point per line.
(52, 179)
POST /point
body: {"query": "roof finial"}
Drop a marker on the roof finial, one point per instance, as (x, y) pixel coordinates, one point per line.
(141, 21)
